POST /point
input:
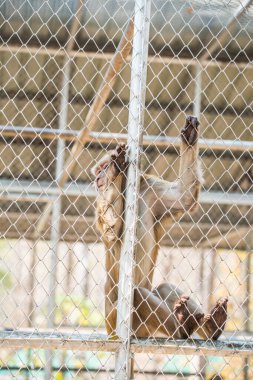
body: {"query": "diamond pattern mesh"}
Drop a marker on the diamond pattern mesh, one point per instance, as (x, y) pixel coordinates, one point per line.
(66, 88)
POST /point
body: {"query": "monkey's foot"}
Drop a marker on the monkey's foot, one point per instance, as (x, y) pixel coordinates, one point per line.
(187, 321)
(190, 132)
(118, 156)
(214, 322)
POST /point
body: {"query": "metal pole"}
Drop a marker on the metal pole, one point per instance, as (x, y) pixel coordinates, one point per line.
(103, 56)
(196, 112)
(56, 210)
(247, 308)
(56, 215)
(197, 97)
(247, 300)
(202, 293)
(135, 131)
(31, 286)
(113, 138)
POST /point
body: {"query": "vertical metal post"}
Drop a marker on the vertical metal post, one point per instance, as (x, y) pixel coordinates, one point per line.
(197, 96)
(56, 213)
(56, 210)
(202, 294)
(247, 300)
(196, 112)
(135, 131)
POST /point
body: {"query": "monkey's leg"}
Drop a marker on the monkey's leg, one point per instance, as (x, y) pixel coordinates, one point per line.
(188, 314)
(190, 175)
(110, 321)
(111, 295)
(214, 323)
(152, 316)
(168, 199)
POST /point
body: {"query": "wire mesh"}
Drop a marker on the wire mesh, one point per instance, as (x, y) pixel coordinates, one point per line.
(65, 101)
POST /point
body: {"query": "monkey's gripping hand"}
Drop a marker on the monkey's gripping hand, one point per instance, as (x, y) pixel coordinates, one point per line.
(190, 132)
(118, 156)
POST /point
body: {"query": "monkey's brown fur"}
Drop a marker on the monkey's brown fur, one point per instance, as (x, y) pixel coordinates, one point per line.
(164, 310)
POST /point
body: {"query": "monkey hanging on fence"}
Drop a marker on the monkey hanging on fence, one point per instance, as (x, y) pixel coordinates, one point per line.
(164, 310)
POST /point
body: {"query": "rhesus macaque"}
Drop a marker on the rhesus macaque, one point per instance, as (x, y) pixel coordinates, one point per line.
(165, 310)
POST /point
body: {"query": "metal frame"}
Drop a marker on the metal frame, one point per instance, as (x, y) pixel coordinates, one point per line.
(108, 56)
(113, 138)
(124, 346)
(57, 203)
(123, 365)
(95, 342)
(26, 190)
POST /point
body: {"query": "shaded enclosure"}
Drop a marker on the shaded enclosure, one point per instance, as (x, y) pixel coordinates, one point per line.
(65, 88)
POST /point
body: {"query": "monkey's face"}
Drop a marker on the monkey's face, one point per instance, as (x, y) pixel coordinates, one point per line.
(105, 173)
(101, 173)
(109, 167)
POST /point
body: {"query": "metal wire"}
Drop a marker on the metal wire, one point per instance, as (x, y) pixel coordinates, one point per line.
(78, 301)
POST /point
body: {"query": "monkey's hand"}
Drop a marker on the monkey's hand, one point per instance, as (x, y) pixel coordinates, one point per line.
(118, 156)
(190, 132)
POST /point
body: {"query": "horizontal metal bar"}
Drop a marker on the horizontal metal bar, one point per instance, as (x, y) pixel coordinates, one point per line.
(110, 138)
(45, 188)
(18, 225)
(238, 232)
(152, 59)
(71, 219)
(64, 369)
(92, 342)
(164, 141)
(41, 192)
(193, 347)
(42, 133)
(20, 197)
(218, 197)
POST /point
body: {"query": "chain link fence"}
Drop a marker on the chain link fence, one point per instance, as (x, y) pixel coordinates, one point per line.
(131, 269)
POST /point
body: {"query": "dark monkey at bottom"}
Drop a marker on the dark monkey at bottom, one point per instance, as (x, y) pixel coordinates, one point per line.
(165, 310)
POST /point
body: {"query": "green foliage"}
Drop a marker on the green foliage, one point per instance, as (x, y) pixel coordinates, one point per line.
(79, 311)
(5, 279)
